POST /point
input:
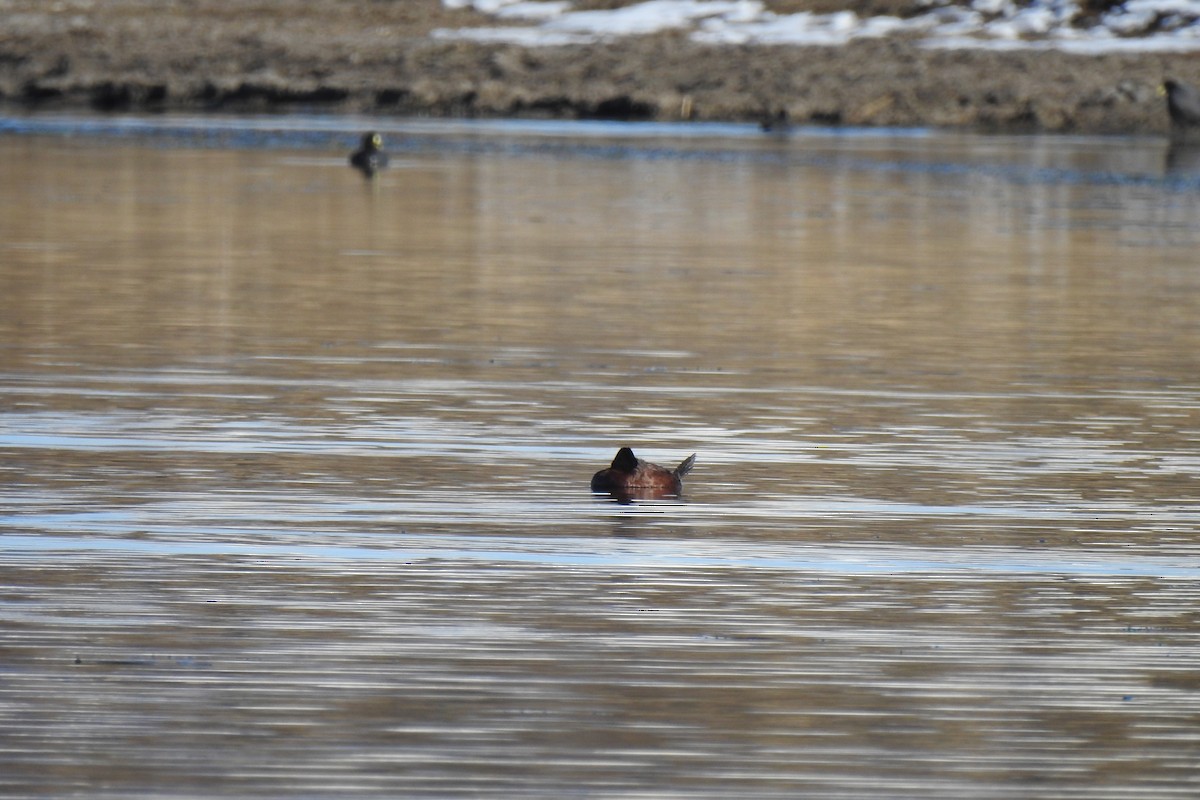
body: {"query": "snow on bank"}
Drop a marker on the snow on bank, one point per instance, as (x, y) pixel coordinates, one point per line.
(1135, 26)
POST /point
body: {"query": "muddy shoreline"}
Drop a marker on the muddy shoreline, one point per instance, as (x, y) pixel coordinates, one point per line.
(375, 57)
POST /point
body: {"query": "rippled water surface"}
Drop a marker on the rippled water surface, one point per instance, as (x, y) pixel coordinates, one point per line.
(294, 496)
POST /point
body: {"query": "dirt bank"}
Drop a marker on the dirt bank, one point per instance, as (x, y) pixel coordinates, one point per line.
(376, 56)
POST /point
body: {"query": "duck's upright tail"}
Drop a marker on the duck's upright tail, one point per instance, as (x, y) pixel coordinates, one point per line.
(686, 466)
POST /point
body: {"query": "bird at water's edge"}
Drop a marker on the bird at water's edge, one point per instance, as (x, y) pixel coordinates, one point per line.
(369, 158)
(1183, 104)
(776, 121)
(630, 476)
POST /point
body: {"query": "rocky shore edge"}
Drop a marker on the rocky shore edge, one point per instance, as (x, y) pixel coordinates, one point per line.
(99, 62)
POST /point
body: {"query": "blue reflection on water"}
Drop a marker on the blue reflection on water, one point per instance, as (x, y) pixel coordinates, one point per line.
(811, 146)
(635, 554)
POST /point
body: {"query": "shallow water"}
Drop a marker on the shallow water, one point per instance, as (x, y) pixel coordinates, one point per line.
(295, 466)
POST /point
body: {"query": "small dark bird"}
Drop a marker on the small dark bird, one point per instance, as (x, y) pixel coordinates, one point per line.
(369, 158)
(774, 121)
(630, 477)
(1183, 104)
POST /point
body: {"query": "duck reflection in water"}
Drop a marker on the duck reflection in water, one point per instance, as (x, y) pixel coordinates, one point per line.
(630, 478)
(1183, 160)
(369, 158)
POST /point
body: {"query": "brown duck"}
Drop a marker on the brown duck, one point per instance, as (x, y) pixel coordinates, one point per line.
(630, 477)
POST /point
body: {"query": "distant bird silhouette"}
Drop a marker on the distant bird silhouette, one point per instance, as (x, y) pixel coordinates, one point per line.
(1183, 104)
(369, 158)
(775, 121)
(629, 477)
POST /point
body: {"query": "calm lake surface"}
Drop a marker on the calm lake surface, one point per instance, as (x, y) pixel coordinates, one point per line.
(294, 497)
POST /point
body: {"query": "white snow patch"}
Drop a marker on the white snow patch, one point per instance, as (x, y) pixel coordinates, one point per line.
(800, 29)
(1135, 26)
(534, 10)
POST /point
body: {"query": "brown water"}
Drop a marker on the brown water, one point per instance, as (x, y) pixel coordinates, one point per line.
(295, 467)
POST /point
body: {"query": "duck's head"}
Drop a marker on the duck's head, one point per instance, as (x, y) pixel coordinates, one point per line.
(625, 460)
